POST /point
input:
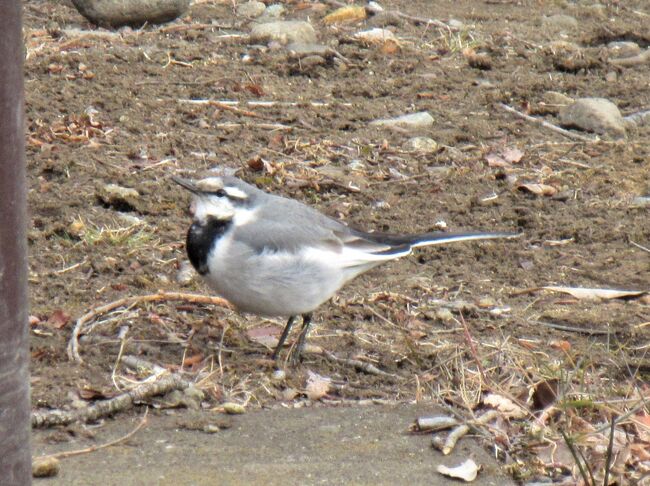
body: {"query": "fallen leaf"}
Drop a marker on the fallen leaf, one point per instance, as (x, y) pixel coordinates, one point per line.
(545, 394)
(467, 471)
(193, 360)
(58, 319)
(538, 189)
(264, 335)
(561, 344)
(317, 386)
(505, 406)
(597, 294)
(512, 155)
(390, 47)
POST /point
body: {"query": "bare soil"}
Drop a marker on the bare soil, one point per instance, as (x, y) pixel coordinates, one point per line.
(105, 107)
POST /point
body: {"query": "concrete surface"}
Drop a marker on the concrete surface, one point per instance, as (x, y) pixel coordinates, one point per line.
(316, 445)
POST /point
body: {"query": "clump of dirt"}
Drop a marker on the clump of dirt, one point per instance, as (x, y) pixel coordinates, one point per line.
(111, 107)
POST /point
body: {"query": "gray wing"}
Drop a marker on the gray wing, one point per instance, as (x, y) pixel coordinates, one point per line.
(283, 224)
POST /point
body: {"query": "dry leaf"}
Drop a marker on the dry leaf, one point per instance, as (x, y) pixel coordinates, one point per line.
(390, 47)
(58, 319)
(317, 386)
(467, 471)
(561, 344)
(597, 294)
(545, 394)
(193, 360)
(512, 155)
(505, 406)
(538, 189)
(345, 14)
(264, 335)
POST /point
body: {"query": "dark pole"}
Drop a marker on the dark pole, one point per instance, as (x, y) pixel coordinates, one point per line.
(15, 455)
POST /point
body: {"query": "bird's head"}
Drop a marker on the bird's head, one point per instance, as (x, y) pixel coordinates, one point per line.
(218, 198)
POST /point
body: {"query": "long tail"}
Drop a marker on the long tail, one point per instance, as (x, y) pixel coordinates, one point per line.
(400, 244)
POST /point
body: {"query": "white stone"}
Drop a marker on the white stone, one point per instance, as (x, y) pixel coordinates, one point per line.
(251, 9)
(597, 115)
(284, 31)
(421, 119)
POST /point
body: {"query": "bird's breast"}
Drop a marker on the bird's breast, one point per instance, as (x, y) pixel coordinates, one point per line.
(201, 239)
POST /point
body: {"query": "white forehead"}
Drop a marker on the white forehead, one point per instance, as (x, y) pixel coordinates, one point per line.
(210, 184)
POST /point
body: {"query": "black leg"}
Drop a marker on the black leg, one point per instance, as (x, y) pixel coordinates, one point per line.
(283, 337)
(300, 345)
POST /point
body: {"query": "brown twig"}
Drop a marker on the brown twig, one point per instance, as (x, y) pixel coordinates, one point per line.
(93, 448)
(472, 348)
(73, 344)
(546, 124)
(359, 365)
(109, 407)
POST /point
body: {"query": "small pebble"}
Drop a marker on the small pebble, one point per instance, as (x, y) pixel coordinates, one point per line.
(45, 467)
(233, 408)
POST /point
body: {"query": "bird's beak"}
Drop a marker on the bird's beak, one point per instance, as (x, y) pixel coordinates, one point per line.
(187, 184)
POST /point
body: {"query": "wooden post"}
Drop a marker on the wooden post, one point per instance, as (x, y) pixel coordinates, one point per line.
(15, 454)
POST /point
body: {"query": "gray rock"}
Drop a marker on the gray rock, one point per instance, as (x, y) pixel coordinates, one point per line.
(560, 23)
(311, 61)
(299, 50)
(284, 32)
(117, 13)
(118, 197)
(421, 144)
(274, 12)
(421, 119)
(623, 49)
(251, 9)
(597, 115)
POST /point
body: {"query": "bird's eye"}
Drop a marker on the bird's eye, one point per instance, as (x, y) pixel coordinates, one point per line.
(220, 193)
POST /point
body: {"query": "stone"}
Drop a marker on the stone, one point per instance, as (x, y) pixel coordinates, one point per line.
(284, 32)
(251, 9)
(375, 36)
(421, 119)
(421, 144)
(273, 12)
(118, 13)
(623, 49)
(299, 50)
(597, 115)
(118, 197)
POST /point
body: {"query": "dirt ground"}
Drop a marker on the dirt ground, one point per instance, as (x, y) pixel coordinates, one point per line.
(105, 107)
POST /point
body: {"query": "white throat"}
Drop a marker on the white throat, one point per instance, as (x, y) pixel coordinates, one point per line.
(204, 208)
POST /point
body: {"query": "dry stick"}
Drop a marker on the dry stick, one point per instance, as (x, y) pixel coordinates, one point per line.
(73, 344)
(472, 348)
(93, 448)
(360, 365)
(548, 125)
(239, 111)
(111, 406)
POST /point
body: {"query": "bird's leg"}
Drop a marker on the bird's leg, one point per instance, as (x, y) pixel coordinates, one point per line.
(300, 345)
(283, 337)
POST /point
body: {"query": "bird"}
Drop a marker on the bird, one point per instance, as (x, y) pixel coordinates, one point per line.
(274, 256)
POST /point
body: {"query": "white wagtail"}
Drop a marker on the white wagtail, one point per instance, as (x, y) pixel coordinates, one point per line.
(273, 256)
